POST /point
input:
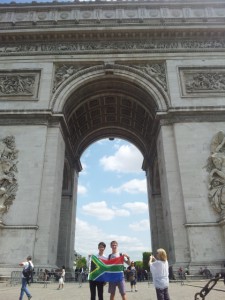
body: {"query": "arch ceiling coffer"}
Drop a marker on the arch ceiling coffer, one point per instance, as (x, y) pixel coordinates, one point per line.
(115, 111)
(129, 114)
(111, 100)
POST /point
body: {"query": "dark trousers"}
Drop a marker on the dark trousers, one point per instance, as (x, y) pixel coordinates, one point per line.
(99, 285)
(162, 294)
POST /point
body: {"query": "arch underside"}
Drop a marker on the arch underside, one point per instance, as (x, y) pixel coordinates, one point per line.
(110, 108)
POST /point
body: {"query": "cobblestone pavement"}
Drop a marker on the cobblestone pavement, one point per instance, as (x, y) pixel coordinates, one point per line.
(145, 291)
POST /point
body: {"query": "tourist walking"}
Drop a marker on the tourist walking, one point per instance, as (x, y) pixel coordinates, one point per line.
(160, 273)
(120, 284)
(98, 284)
(26, 277)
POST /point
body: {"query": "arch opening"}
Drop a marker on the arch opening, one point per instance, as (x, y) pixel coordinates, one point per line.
(111, 107)
(112, 205)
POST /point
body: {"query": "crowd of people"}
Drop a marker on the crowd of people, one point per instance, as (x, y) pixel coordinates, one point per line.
(158, 267)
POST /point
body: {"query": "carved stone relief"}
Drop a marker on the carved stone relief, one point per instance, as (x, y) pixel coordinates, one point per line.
(156, 71)
(8, 169)
(19, 85)
(148, 45)
(62, 73)
(198, 82)
(216, 169)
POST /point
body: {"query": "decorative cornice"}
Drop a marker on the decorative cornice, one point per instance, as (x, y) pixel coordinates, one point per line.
(27, 227)
(111, 27)
(202, 224)
(113, 13)
(191, 114)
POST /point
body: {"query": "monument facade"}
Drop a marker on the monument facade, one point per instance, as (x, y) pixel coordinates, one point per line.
(150, 72)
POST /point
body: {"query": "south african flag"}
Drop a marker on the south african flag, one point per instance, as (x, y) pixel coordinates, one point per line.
(110, 270)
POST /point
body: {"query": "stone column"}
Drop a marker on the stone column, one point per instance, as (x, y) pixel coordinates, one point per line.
(67, 224)
(46, 241)
(172, 198)
(158, 234)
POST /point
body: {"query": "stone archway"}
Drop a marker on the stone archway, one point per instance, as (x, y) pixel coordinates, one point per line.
(73, 73)
(113, 101)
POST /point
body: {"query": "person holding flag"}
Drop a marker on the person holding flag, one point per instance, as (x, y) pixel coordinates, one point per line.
(120, 283)
(93, 284)
(110, 270)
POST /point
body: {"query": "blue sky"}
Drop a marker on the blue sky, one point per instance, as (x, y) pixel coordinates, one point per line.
(112, 200)
(38, 1)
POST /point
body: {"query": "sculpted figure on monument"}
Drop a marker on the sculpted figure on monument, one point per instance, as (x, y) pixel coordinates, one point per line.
(3, 197)
(156, 71)
(206, 81)
(216, 169)
(62, 73)
(8, 181)
(16, 85)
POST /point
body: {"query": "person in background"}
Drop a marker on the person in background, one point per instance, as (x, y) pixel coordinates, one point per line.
(98, 284)
(81, 276)
(45, 275)
(132, 276)
(160, 273)
(119, 284)
(62, 278)
(26, 265)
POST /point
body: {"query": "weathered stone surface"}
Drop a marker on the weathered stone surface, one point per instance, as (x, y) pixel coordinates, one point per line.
(151, 72)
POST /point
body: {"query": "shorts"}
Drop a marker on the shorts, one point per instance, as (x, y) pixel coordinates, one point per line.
(121, 287)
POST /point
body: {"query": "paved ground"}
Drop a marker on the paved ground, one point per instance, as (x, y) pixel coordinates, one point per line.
(145, 292)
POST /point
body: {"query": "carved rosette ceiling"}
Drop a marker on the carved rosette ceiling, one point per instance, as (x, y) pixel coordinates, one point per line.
(216, 169)
(8, 170)
(198, 82)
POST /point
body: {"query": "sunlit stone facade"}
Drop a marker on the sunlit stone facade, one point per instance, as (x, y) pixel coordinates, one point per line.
(151, 72)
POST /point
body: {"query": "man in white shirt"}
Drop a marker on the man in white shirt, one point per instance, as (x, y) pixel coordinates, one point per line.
(27, 268)
(119, 284)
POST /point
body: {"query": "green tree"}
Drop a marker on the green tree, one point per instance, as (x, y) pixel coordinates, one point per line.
(146, 256)
(81, 263)
(139, 264)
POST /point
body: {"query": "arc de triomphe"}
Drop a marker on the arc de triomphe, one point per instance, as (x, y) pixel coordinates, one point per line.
(150, 72)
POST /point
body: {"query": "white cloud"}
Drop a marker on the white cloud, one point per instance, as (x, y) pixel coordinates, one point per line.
(101, 211)
(88, 236)
(136, 207)
(127, 159)
(140, 226)
(81, 189)
(133, 186)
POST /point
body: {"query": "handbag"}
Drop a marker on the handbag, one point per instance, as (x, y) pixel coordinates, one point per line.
(131, 277)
